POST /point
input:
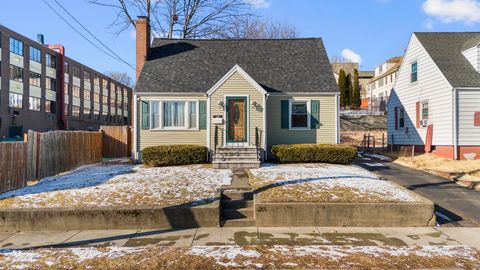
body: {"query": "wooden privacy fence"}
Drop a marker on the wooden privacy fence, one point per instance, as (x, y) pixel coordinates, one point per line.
(55, 152)
(13, 163)
(117, 141)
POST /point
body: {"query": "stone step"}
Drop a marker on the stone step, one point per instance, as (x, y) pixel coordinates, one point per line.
(236, 195)
(236, 150)
(241, 222)
(237, 213)
(237, 204)
(236, 164)
(240, 158)
(253, 155)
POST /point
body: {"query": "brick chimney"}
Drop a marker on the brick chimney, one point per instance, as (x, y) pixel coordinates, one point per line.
(143, 42)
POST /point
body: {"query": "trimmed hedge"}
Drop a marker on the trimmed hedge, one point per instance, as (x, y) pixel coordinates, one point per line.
(307, 153)
(171, 155)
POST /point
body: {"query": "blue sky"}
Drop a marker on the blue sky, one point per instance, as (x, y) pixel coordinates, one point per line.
(372, 30)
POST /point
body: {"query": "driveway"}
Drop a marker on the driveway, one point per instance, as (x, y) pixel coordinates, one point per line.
(455, 205)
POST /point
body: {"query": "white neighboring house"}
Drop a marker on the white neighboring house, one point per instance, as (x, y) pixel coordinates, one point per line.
(379, 87)
(438, 89)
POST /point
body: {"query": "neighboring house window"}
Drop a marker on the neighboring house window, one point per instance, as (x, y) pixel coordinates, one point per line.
(414, 72)
(401, 118)
(16, 73)
(75, 111)
(35, 79)
(51, 84)
(34, 104)
(50, 106)
(16, 46)
(51, 60)
(424, 115)
(299, 111)
(35, 55)
(75, 91)
(15, 100)
(76, 71)
(174, 115)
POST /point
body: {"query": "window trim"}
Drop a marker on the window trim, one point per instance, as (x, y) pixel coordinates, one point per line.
(411, 72)
(161, 120)
(309, 114)
(400, 109)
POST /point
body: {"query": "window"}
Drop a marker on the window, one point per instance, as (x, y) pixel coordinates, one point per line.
(16, 73)
(16, 46)
(66, 66)
(96, 97)
(76, 111)
(86, 112)
(380, 83)
(96, 115)
(414, 72)
(86, 76)
(76, 71)
(65, 107)
(75, 91)
(34, 104)
(174, 115)
(15, 100)
(424, 114)
(299, 115)
(35, 79)
(86, 95)
(66, 90)
(50, 106)
(35, 54)
(401, 118)
(105, 99)
(51, 84)
(96, 81)
(51, 60)
(104, 84)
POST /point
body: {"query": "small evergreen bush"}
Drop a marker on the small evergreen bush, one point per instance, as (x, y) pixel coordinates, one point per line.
(308, 153)
(171, 155)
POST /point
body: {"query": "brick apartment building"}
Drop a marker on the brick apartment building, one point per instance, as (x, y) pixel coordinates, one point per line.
(41, 89)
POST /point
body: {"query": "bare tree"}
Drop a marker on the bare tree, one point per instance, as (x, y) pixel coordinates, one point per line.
(255, 28)
(121, 77)
(178, 18)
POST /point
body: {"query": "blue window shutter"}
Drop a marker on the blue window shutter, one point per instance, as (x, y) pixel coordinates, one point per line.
(315, 111)
(202, 107)
(285, 114)
(145, 115)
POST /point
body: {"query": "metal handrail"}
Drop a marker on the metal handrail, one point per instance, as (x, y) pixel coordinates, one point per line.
(257, 142)
(215, 141)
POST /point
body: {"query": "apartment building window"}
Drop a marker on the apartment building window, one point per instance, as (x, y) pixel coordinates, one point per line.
(51, 84)
(15, 100)
(65, 88)
(16, 46)
(414, 72)
(34, 104)
(76, 111)
(16, 73)
(51, 60)
(105, 98)
(76, 91)
(65, 108)
(35, 54)
(86, 112)
(96, 97)
(104, 84)
(96, 81)
(86, 94)
(35, 79)
(96, 115)
(86, 76)
(76, 71)
(66, 67)
(50, 106)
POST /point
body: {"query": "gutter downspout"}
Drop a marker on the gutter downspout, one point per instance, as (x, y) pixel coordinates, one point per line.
(455, 125)
(337, 123)
(265, 123)
(210, 157)
(135, 128)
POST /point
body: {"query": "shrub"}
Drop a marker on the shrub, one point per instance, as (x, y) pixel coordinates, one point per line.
(306, 153)
(170, 155)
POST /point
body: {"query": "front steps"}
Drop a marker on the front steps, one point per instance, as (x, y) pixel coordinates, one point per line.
(236, 157)
(237, 208)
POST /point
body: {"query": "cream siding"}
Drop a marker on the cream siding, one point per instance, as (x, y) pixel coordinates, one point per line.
(149, 138)
(234, 86)
(431, 86)
(468, 104)
(327, 132)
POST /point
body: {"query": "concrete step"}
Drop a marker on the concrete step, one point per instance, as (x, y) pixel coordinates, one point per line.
(241, 158)
(237, 213)
(237, 204)
(230, 155)
(233, 195)
(241, 222)
(236, 150)
(236, 164)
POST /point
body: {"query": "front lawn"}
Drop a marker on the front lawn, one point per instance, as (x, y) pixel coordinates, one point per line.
(119, 185)
(249, 257)
(318, 182)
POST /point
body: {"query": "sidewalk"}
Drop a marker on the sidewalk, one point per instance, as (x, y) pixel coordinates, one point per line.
(456, 205)
(310, 236)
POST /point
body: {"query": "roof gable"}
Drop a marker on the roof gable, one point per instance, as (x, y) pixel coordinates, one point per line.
(239, 70)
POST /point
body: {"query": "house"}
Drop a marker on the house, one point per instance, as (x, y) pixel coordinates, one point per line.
(234, 96)
(379, 87)
(435, 102)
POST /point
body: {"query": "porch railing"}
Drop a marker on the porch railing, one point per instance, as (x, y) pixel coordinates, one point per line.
(215, 139)
(257, 142)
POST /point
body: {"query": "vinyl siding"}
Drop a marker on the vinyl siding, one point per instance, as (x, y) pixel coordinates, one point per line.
(237, 85)
(149, 138)
(325, 134)
(431, 86)
(468, 104)
(473, 56)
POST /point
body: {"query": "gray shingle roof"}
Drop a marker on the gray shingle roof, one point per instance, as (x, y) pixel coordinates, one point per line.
(446, 51)
(285, 65)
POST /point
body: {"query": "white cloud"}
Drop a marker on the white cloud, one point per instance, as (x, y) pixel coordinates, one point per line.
(467, 11)
(259, 3)
(351, 56)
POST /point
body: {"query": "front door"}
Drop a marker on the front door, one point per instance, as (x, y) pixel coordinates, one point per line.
(236, 120)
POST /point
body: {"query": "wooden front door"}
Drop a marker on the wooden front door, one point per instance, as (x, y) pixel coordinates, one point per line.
(236, 119)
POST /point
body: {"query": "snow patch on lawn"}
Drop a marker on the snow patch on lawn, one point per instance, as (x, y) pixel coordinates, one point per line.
(104, 185)
(220, 253)
(313, 180)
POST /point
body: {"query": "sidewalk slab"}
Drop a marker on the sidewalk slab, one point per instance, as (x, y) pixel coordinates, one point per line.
(162, 237)
(466, 236)
(358, 236)
(36, 239)
(419, 236)
(226, 236)
(5, 235)
(291, 236)
(98, 238)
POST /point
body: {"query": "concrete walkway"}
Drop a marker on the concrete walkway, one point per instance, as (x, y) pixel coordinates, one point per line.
(245, 236)
(455, 205)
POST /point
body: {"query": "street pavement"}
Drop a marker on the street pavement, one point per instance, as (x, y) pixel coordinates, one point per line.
(455, 205)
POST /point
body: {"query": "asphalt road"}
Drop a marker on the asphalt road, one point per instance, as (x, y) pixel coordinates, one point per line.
(455, 205)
